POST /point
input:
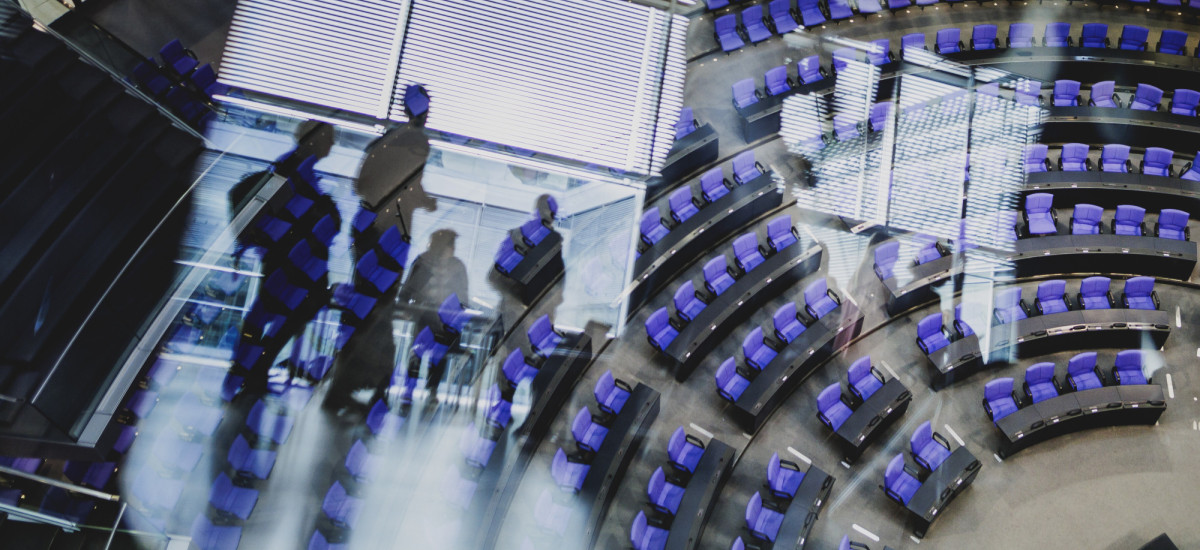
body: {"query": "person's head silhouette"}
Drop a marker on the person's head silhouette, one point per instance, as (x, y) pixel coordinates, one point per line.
(314, 137)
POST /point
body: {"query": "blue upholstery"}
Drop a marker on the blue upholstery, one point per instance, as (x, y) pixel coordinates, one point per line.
(516, 369)
(1173, 42)
(176, 58)
(341, 508)
(231, 500)
(1102, 95)
(845, 127)
(1086, 219)
(780, 12)
(395, 248)
(880, 113)
(645, 536)
(839, 9)
(507, 258)
(250, 462)
(983, 37)
(726, 28)
(1028, 92)
(652, 227)
(947, 41)
(713, 185)
(787, 323)
(684, 451)
(1039, 214)
(746, 253)
(1172, 224)
(783, 477)
(589, 435)
(880, 52)
(1035, 158)
(1009, 308)
(427, 348)
(659, 329)
(681, 204)
(886, 256)
(780, 233)
(928, 451)
(1192, 173)
(1020, 35)
(758, 354)
(1133, 37)
(1146, 98)
(810, 12)
(777, 81)
(809, 68)
(205, 80)
(998, 398)
(1095, 35)
(452, 314)
(1114, 158)
(687, 303)
(863, 379)
(745, 168)
(1082, 373)
(927, 249)
(1093, 293)
(664, 495)
(745, 93)
(752, 22)
(1074, 157)
(1184, 102)
(208, 536)
(931, 336)
(763, 522)
(610, 393)
(1039, 382)
(1066, 93)
(533, 232)
(717, 278)
(730, 381)
(915, 41)
(831, 408)
(898, 483)
(380, 277)
(818, 299)
(1156, 161)
(1129, 220)
(1051, 297)
(1139, 293)
(960, 324)
(686, 123)
(1057, 35)
(91, 474)
(568, 475)
(146, 74)
(269, 423)
(360, 463)
(542, 336)
(499, 410)
(1128, 368)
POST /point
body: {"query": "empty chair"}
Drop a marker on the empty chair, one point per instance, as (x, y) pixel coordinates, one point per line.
(1035, 159)
(1051, 297)
(880, 52)
(664, 495)
(269, 424)
(319, 542)
(839, 9)
(452, 314)
(1128, 220)
(1039, 214)
(716, 4)
(726, 29)
(1114, 157)
(687, 302)
(867, 7)
(983, 37)
(1058, 35)
(864, 379)
(476, 450)
(1127, 369)
(91, 474)
(1066, 93)
(567, 474)
(960, 324)
(831, 406)
(913, 41)
(886, 256)
(499, 410)
(746, 254)
(611, 393)
(1157, 162)
(653, 228)
(1094, 293)
(717, 276)
(684, 450)
(777, 81)
(1020, 35)
(588, 433)
(898, 482)
(645, 536)
(1040, 383)
(880, 113)
(1086, 219)
(426, 347)
(249, 462)
(1184, 102)
(780, 233)
(783, 18)
(810, 69)
(1006, 225)
(931, 334)
(757, 352)
(1102, 95)
(507, 258)
(341, 508)
(1146, 98)
(1172, 224)
(207, 536)
(763, 520)
(745, 168)
(787, 322)
(999, 400)
(543, 338)
(1082, 372)
(783, 477)
(682, 205)
(686, 123)
(1139, 293)
(845, 127)
(819, 300)
(732, 380)
(947, 41)
(745, 93)
(1009, 307)
(360, 463)
(380, 277)
(659, 329)
(178, 59)
(754, 25)
(146, 74)
(1133, 37)
(1172, 41)
(1191, 171)
(229, 499)
(929, 448)
(810, 12)
(1074, 158)
(713, 185)
(928, 249)
(1094, 35)
(1028, 92)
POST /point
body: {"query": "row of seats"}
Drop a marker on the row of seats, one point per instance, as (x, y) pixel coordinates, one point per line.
(589, 432)
(662, 328)
(888, 254)
(685, 202)
(180, 80)
(755, 25)
(1087, 219)
(533, 231)
(929, 450)
(1114, 157)
(862, 379)
(764, 516)
(1056, 35)
(665, 491)
(1001, 400)
(1145, 97)
(1052, 298)
(758, 350)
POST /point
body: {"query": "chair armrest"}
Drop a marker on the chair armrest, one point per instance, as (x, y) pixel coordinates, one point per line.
(921, 345)
(941, 439)
(789, 465)
(892, 495)
(825, 74)
(833, 296)
(1154, 296)
(765, 251)
(1025, 308)
(961, 46)
(920, 461)
(695, 440)
(758, 93)
(761, 168)
(1089, 164)
(878, 375)
(622, 384)
(791, 83)
(1100, 375)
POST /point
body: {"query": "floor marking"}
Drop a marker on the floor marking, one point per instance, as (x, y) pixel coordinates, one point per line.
(747, 436)
(706, 433)
(1194, 425)
(1197, 352)
(865, 532)
(955, 436)
(1170, 387)
(800, 456)
(1178, 319)
(847, 466)
(997, 457)
(915, 539)
(888, 368)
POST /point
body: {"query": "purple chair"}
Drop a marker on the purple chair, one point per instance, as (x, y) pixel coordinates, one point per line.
(1086, 219)
(898, 482)
(843, 57)
(811, 13)
(499, 409)
(233, 501)
(1139, 293)
(713, 185)
(687, 301)
(1058, 35)
(682, 205)
(1028, 92)
(360, 463)
(1134, 38)
(780, 233)
(177, 58)
(754, 24)
(684, 450)
(960, 324)
(319, 542)
(983, 37)
(928, 249)
(1191, 170)
(1040, 217)
(886, 256)
(589, 434)
(783, 17)
(1074, 158)
(819, 300)
(947, 41)
(783, 477)
(1146, 98)
(929, 449)
(1009, 306)
(787, 323)
(757, 352)
(653, 229)
(269, 424)
(1066, 93)
(863, 379)
(1020, 35)
(664, 495)
(1035, 158)
(1082, 372)
(839, 9)
(507, 257)
(207, 536)
(341, 508)
(1184, 102)
(745, 93)
(1127, 369)
(1129, 221)
(1040, 383)
(931, 335)
(845, 127)
(1172, 41)
(1051, 297)
(879, 115)
(763, 520)
(810, 69)
(1102, 95)
(999, 400)
(725, 28)
(745, 168)
(91, 474)
(645, 536)
(543, 337)
(659, 329)
(453, 315)
(1094, 293)
(777, 81)
(1114, 157)
(746, 253)
(880, 52)
(516, 369)
(1095, 35)
(1157, 162)
(732, 380)
(1172, 224)
(686, 123)
(914, 41)
(611, 393)
(717, 276)
(249, 462)
(832, 409)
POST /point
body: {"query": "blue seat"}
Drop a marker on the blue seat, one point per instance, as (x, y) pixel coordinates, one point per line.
(947, 41)
(588, 433)
(686, 123)
(754, 24)
(762, 520)
(780, 233)
(659, 329)
(426, 347)
(208, 536)
(499, 410)
(1040, 383)
(839, 9)
(664, 495)
(1035, 158)
(931, 335)
(1058, 35)
(863, 378)
(732, 380)
(717, 276)
(1066, 93)
(1133, 37)
(1082, 372)
(831, 406)
(1139, 293)
(1039, 214)
(325, 230)
(1172, 224)
(394, 246)
(745, 93)
(543, 338)
(416, 100)
(452, 314)
(1094, 35)
(913, 41)
(756, 350)
(253, 463)
(1020, 35)
(533, 232)
(1128, 368)
(928, 249)
(783, 477)
(567, 474)
(687, 302)
(843, 57)
(360, 463)
(476, 450)
(777, 81)
(1129, 220)
(1172, 41)
(684, 450)
(269, 424)
(178, 59)
(886, 256)
(880, 52)
(653, 229)
(340, 507)
(312, 266)
(783, 18)
(726, 30)
(746, 254)
(1009, 307)
(234, 501)
(810, 69)
(983, 37)
(1191, 170)
(929, 449)
(878, 117)
(516, 369)
(380, 277)
(745, 168)
(1146, 98)
(146, 75)
(1102, 95)
(999, 400)
(845, 127)
(1184, 102)
(811, 13)
(899, 484)
(716, 4)
(1074, 158)
(1114, 157)
(713, 185)
(1094, 293)
(867, 7)
(645, 536)
(204, 78)
(1086, 219)
(787, 322)
(507, 258)
(1028, 92)
(90, 474)
(819, 300)
(1051, 297)
(960, 324)
(611, 393)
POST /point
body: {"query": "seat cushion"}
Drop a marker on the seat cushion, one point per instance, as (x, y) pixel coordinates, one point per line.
(1086, 381)
(934, 454)
(867, 386)
(1042, 392)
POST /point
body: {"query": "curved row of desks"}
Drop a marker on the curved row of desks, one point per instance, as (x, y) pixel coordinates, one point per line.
(804, 509)
(700, 496)
(1109, 189)
(734, 306)
(871, 418)
(1081, 410)
(658, 265)
(950, 479)
(550, 388)
(1044, 334)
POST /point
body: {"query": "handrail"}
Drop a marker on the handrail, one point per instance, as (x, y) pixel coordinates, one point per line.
(39, 517)
(60, 484)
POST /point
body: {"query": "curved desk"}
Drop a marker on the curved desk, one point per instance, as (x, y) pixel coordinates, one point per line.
(794, 364)
(1108, 190)
(871, 418)
(1081, 410)
(738, 302)
(696, 150)
(922, 289)
(700, 496)
(937, 491)
(1106, 253)
(540, 267)
(1139, 129)
(804, 508)
(659, 264)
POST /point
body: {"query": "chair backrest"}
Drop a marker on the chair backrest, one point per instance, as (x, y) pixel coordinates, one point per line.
(657, 321)
(726, 372)
(1082, 363)
(1039, 203)
(810, 69)
(776, 78)
(843, 56)
(1129, 215)
(1158, 159)
(540, 329)
(1094, 35)
(726, 24)
(785, 314)
(752, 16)
(743, 92)
(1172, 41)
(711, 180)
(815, 291)
(1027, 92)
(1133, 37)
(779, 228)
(1000, 388)
(880, 113)
(514, 365)
(681, 199)
(930, 325)
(1173, 219)
(1065, 92)
(894, 471)
(859, 369)
(1039, 373)
(743, 166)
(1009, 298)
(745, 246)
(685, 293)
(714, 268)
(1057, 34)
(1146, 97)
(752, 341)
(886, 255)
(1139, 286)
(1087, 219)
(878, 53)
(1020, 35)
(1051, 290)
(651, 220)
(1035, 157)
(915, 40)
(1102, 92)
(1094, 286)
(1184, 101)
(983, 37)
(1113, 157)
(829, 397)
(1130, 359)
(678, 445)
(947, 39)
(921, 437)
(779, 9)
